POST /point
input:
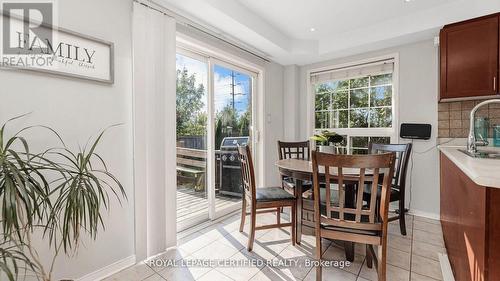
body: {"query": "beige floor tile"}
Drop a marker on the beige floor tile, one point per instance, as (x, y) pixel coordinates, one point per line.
(398, 258)
(423, 219)
(139, 271)
(331, 274)
(427, 267)
(214, 275)
(428, 237)
(361, 279)
(275, 240)
(399, 242)
(297, 262)
(427, 250)
(215, 250)
(159, 262)
(395, 229)
(242, 270)
(334, 253)
(273, 274)
(428, 227)
(394, 273)
(418, 277)
(184, 273)
(261, 251)
(194, 242)
(155, 277)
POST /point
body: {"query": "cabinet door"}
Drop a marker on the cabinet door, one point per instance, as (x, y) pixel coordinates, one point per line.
(469, 58)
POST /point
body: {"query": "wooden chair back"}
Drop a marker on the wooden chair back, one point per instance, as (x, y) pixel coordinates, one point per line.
(297, 150)
(403, 152)
(339, 169)
(247, 171)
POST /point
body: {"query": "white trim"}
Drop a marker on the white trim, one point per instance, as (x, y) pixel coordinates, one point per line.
(424, 214)
(392, 132)
(446, 270)
(108, 270)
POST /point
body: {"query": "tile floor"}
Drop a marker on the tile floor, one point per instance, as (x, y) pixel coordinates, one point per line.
(410, 258)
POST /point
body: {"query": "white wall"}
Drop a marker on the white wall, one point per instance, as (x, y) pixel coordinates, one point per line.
(78, 109)
(418, 95)
(273, 121)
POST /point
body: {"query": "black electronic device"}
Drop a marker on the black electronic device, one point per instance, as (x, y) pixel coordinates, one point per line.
(415, 131)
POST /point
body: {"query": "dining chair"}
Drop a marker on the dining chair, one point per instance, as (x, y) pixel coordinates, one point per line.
(398, 185)
(360, 223)
(297, 150)
(262, 200)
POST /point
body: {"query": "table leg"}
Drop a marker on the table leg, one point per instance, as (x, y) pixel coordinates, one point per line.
(298, 194)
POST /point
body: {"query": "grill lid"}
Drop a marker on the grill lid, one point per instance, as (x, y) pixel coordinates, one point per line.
(231, 143)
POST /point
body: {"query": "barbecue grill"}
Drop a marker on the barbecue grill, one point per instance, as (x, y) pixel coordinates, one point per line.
(230, 181)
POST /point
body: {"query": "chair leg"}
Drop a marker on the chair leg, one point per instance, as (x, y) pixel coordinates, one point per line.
(251, 237)
(293, 214)
(369, 258)
(243, 213)
(318, 256)
(278, 215)
(382, 261)
(402, 217)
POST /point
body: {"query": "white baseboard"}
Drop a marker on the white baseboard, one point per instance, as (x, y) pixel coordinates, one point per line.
(109, 269)
(446, 268)
(425, 214)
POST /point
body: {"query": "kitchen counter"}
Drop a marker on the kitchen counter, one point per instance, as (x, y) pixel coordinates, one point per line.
(484, 172)
(470, 213)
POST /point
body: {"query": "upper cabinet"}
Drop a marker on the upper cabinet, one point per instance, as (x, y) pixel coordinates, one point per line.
(469, 56)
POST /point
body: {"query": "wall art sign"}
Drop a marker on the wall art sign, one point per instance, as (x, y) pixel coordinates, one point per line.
(30, 41)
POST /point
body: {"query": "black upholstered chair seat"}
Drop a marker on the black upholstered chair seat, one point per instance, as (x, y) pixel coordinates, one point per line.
(272, 194)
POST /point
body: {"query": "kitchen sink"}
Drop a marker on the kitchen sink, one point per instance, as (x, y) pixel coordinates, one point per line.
(483, 154)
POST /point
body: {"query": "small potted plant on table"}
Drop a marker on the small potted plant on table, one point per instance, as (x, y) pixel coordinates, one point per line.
(327, 141)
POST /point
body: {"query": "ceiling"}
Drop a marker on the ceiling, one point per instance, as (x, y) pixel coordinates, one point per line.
(281, 29)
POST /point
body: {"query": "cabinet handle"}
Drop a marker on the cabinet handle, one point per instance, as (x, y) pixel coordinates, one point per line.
(494, 83)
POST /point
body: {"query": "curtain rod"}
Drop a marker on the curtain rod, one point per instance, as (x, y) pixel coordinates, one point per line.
(187, 22)
(353, 66)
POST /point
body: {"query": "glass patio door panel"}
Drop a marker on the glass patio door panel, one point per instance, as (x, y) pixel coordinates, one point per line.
(192, 135)
(233, 122)
(214, 113)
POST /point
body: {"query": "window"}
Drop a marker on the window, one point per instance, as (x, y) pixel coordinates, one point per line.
(356, 102)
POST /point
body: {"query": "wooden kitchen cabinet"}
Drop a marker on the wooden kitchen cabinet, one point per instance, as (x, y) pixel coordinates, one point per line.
(470, 217)
(469, 58)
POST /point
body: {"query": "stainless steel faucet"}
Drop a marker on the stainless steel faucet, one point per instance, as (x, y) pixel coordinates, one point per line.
(472, 143)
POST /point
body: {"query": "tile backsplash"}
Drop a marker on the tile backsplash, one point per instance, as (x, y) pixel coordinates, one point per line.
(453, 118)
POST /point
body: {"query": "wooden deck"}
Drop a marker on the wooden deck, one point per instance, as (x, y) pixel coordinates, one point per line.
(191, 203)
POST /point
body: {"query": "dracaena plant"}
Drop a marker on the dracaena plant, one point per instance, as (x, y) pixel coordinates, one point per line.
(72, 203)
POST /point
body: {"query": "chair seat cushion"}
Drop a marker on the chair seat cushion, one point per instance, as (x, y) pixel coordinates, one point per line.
(395, 194)
(272, 194)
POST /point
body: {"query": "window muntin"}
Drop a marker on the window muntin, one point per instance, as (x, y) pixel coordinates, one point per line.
(364, 102)
(360, 109)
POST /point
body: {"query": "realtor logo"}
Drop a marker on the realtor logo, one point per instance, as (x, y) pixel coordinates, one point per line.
(35, 35)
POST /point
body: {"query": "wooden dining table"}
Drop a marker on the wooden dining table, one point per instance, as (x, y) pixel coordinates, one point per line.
(301, 171)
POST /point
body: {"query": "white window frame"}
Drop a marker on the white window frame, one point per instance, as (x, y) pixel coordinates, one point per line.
(392, 132)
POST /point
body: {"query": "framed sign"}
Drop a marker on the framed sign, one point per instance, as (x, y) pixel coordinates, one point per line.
(40, 46)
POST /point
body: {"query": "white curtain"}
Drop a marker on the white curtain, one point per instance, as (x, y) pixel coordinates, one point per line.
(154, 130)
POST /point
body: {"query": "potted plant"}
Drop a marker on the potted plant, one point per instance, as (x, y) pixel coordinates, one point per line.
(63, 209)
(327, 141)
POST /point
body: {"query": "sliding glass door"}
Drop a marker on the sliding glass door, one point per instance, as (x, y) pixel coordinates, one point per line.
(192, 133)
(214, 115)
(233, 126)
